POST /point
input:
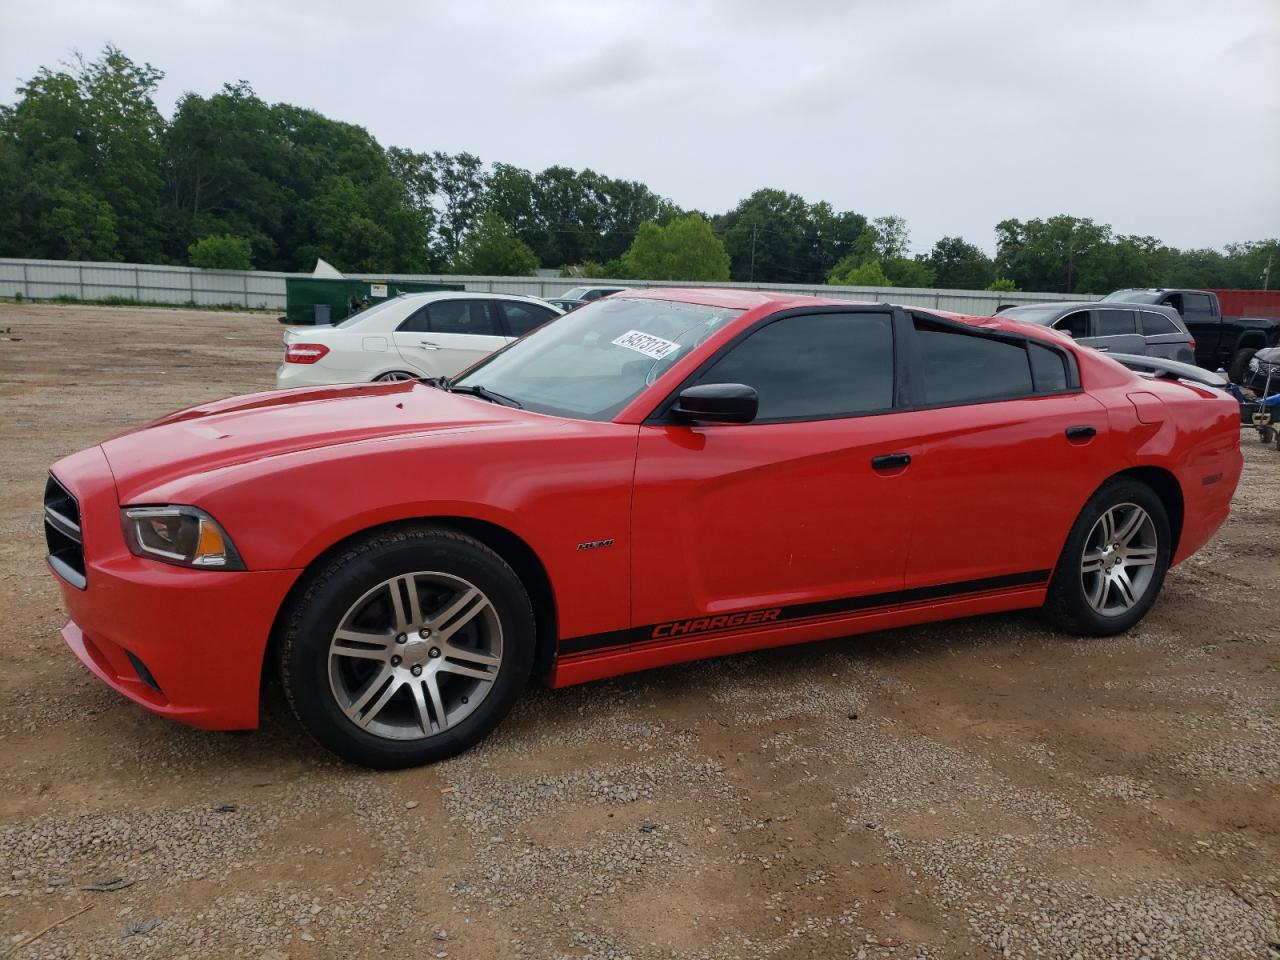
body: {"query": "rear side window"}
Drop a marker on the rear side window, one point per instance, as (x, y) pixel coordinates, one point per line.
(1157, 324)
(815, 367)
(1114, 323)
(453, 316)
(1048, 369)
(523, 317)
(965, 368)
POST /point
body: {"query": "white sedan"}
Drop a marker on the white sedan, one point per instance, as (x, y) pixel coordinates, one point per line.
(412, 335)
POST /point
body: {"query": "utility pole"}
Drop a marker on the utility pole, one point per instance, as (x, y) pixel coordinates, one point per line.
(753, 253)
(1266, 273)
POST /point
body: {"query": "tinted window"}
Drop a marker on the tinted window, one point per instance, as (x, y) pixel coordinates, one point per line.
(809, 367)
(461, 316)
(416, 322)
(964, 368)
(1075, 324)
(1155, 324)
(1195, 303)
(523, 317)
(1113, 323)
(1048, 368)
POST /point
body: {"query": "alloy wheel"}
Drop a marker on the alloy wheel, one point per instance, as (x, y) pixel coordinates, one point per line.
(415, 656)
(1119, 559)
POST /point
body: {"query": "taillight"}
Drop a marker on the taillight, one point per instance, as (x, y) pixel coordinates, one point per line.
(304, 352)
(1193, 343)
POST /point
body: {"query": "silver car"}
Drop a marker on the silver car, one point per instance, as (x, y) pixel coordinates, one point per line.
(1148, 330)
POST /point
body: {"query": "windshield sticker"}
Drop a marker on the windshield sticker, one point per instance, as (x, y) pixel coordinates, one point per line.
(647, 343)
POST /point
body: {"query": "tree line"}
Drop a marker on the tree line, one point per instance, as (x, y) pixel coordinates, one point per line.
(91, 170)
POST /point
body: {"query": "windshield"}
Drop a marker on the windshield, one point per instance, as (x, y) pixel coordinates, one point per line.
(591, 363)
(1041, 315)
(1132, 296)
(577, 293)
(368, 311)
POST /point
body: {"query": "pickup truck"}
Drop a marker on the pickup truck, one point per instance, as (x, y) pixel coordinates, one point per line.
(1220, 341)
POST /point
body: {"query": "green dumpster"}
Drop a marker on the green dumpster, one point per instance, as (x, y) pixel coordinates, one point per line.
(320, 300)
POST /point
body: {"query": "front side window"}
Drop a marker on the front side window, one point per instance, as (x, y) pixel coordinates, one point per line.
(966, 368)
(1075, 325)
(815, 366)
(1115, 323)
(591, 363)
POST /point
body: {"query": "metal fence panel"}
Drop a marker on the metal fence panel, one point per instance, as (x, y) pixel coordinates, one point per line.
(44, 279)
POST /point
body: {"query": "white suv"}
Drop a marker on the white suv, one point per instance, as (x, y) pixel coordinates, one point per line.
(412, 335)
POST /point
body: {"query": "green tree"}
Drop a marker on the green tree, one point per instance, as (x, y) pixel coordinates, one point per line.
(909, 271)
(461, 181)
(866, 274)
(958, 265)
(491, 248)
(1002, 285)
(221, 252)
(776, 236)
(685, 249)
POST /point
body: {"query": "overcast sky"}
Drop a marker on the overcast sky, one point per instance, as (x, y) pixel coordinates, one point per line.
(1160, 117)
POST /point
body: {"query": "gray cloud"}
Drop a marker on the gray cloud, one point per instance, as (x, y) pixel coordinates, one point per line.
(1158, 117)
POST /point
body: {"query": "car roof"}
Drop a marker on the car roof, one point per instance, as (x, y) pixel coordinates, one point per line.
(743, 299)
(1066, 306)
(430, 295)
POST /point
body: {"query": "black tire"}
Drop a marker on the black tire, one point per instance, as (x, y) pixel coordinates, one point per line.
(1238, 372)
(342, 580)
(1266, 434)
(1067, 605)
(395, 376)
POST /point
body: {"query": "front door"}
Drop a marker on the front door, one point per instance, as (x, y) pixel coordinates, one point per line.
(799, 511)
(447, 336)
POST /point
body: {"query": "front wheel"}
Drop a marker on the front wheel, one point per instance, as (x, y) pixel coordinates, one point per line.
(407, 648)
(1114, 562)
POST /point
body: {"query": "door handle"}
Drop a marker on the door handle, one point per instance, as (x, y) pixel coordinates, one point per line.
(1084, 432)
(891, 461)
(1103, 349)
(428, 344)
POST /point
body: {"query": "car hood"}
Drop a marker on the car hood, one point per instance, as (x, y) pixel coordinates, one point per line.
(242, 429)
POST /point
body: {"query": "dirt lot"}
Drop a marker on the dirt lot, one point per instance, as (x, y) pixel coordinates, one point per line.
(977, 789)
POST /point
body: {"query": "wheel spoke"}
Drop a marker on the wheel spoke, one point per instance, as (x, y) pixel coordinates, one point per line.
(407, 618)
(1123, 587)
(455, 652)
(437, 703)
(383, 699)
(1092, 562)
(420, 704)
(459, 613)
(1108, 527)
(368, 692)
(1140, 557)
(1098, 592)
(463, 670)
(362, 645)
(1132, 524)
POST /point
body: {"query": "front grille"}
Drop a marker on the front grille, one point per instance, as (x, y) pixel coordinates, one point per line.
(62, 533)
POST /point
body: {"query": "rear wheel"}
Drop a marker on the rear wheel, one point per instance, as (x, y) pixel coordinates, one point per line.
(1114, 561)
(1238, 372)
(407, 648)
(395, 376)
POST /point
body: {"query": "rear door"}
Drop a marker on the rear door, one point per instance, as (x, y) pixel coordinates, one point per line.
(804, 512)
(1115, 330)
(1164, 338)
(446, 336)
(1014, 451)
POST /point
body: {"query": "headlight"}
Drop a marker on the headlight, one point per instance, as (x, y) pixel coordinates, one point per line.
(180, 535)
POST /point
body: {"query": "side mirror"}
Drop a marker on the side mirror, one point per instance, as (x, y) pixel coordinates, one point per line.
(718, 403)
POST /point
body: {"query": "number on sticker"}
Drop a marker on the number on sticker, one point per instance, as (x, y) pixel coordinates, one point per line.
(647, 343)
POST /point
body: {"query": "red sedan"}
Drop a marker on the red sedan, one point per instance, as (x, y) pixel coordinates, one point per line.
(654, 478)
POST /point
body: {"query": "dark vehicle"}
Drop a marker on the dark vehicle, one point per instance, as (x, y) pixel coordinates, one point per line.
(580, 296)
(1149, 331)
(565, 303)
(1220, 341)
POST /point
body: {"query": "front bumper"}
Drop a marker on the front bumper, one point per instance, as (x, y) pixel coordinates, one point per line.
(186, 644)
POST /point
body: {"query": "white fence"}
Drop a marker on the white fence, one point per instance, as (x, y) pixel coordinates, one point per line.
(46, 279)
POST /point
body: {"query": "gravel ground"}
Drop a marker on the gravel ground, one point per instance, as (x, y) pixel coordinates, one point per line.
(984, 788)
